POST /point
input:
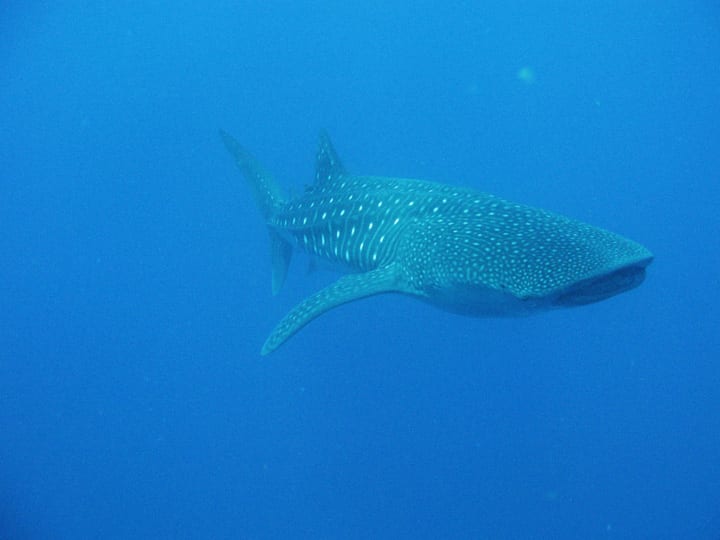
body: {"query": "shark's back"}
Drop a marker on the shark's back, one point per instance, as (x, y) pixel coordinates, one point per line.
(361, 221)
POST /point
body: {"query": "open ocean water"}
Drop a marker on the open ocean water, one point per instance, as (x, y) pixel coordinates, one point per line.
(135, 273)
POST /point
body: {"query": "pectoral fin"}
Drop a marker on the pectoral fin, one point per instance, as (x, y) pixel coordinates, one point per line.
(346, 289)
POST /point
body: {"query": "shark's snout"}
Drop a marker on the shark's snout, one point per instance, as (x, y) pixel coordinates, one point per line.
(604, 285)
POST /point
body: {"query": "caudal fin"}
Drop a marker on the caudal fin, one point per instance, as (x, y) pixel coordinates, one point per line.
(269, 198)
(267, 193)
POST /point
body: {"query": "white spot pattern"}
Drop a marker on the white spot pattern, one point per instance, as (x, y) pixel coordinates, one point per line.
(446, 234)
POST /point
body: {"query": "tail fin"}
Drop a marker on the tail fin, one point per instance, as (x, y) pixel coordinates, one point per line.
(269, 197)
(267, 193)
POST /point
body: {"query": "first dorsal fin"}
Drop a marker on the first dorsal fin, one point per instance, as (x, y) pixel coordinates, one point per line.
(328, 166)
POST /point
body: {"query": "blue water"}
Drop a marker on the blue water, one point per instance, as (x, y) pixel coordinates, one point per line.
(135, 273)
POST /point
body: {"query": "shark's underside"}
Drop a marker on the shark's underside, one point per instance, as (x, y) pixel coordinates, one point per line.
(460, 249)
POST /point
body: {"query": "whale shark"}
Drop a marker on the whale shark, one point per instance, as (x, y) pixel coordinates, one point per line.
(459, 249)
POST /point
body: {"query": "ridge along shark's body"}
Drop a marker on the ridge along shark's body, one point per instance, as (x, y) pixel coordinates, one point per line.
(460, 249)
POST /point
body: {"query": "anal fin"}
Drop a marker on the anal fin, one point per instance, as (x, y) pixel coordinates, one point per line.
(346, 289)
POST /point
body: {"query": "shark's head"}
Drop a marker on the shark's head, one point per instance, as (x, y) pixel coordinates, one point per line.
(514, 260)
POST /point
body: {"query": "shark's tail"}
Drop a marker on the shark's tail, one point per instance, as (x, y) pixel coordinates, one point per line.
(269, 198)
(267, 193)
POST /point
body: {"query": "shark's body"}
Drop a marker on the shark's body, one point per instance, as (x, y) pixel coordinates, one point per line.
(460, 249)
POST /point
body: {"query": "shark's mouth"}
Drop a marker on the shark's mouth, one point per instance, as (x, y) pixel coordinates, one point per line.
(603, 286)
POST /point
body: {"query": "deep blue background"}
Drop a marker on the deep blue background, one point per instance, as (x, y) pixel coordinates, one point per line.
(135, 279)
